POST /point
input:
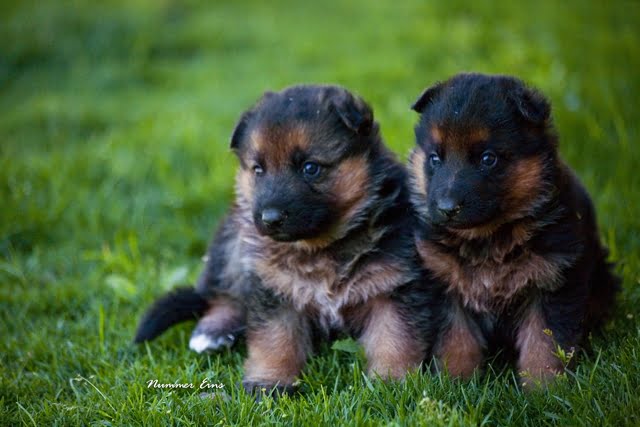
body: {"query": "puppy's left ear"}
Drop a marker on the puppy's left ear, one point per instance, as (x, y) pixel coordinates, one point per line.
(354, 113)
(531, 104)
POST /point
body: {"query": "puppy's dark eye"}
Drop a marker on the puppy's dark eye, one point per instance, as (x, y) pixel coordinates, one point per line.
(488, 159)
(434, 160)
(257, 169)
(311, 169)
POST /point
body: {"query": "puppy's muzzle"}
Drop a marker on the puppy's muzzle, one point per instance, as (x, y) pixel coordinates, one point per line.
(448, 207)
(273, 218)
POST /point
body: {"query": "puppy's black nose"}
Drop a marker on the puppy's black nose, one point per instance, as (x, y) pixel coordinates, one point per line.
(448, 207)
(273, 218)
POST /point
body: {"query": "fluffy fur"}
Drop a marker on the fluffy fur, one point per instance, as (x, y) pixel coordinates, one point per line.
(505, 226)
(319, 242)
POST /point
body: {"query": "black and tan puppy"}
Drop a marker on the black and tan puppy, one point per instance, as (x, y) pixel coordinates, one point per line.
(320, 241)
(506, 227)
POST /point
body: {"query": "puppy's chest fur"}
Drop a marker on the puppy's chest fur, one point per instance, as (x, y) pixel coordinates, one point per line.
(487, 275)
(326, 283)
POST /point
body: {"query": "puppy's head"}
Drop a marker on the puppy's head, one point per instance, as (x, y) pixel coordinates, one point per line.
(304, 159)
(485, 148)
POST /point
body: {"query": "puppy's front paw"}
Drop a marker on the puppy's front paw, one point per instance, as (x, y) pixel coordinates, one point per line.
(209, 342)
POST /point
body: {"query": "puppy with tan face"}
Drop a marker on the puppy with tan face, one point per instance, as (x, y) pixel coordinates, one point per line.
(318, 243)
(505, 226)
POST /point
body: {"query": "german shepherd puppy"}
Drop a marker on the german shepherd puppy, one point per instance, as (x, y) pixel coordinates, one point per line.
(506, 227)
(319, 241)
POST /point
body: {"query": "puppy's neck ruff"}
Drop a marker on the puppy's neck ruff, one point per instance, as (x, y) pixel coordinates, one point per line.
(487, 269)
(350, 268)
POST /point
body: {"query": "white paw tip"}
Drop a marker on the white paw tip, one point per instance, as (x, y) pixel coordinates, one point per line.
(202, 342)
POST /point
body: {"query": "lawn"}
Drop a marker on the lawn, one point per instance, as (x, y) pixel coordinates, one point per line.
(115, 118)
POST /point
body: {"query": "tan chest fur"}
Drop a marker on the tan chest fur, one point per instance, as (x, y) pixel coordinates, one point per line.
(318, 283)
(490, 284)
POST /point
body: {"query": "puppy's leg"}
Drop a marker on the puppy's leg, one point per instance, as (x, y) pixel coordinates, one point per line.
(220, 326)
(277, 349)
(537, 362)
(226, 286)
(391, 347)
(460, 347)
(553, 320)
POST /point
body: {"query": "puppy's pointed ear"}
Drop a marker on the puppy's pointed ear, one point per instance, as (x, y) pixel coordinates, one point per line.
(240, 130)
(426, 97)
(530, 104)
(354, 113)
(241, 127)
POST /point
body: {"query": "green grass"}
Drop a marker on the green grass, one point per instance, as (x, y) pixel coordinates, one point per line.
(114, 171)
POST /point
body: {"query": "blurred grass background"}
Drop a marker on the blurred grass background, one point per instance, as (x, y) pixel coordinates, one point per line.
(114, 170)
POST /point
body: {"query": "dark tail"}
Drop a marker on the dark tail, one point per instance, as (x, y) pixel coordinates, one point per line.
(177, 306)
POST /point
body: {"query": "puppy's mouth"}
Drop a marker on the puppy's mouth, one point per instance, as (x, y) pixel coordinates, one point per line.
(282, 237)
(439, 221)
(460, 224)
(468, 229)
(279, 235)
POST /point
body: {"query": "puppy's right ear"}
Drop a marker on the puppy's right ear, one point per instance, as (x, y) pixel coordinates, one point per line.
(427, 96)
(239, 132)
(241, 128)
